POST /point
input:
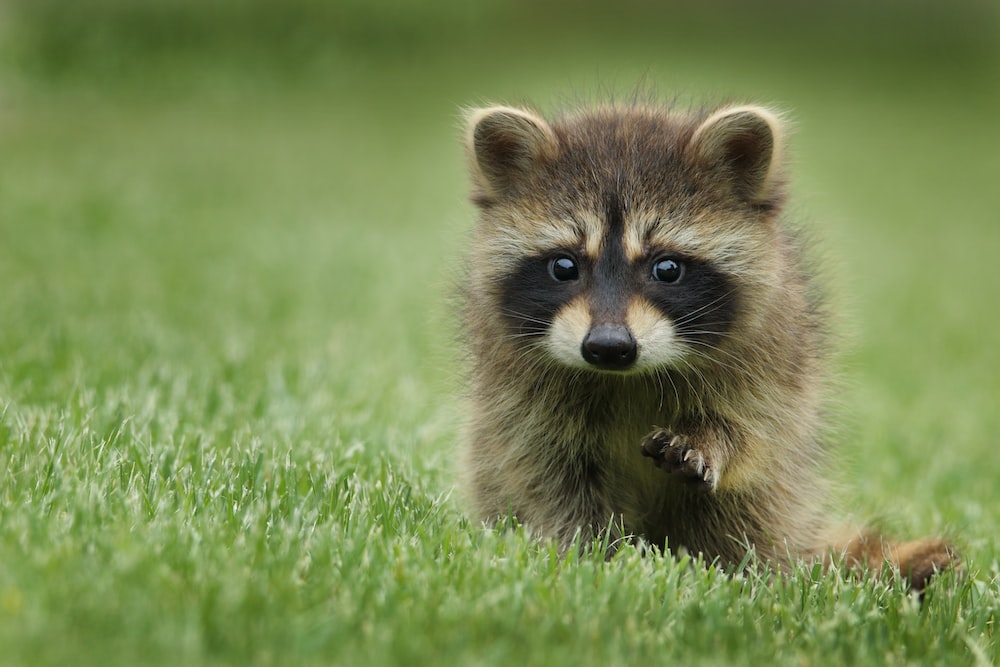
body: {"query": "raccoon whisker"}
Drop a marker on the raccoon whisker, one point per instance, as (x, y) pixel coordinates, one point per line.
(526, 318)
(698, 311)
(673, 386)
(705, 332)
(526, 347)
(537, 325)
(715, 348)
(724, 295)
(695, 395)
(530, 328)
(714, 329)
(670, 379)
(720, 328)
(708, 387)
(701, 342)
(739, 366)
(741, 362)
(526, 334)
(659, 385)
(703, 322)
(517, 313)
(530, 357)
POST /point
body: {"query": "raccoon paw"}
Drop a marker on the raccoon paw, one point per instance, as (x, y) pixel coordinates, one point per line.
(672, 453)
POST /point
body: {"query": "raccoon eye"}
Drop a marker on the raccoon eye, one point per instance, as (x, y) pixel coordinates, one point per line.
(563, 268)
(668, 271)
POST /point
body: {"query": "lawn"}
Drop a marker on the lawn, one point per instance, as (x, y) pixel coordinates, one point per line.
(229, 375)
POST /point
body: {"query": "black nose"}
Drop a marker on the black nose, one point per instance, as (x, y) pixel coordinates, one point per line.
(609, 346)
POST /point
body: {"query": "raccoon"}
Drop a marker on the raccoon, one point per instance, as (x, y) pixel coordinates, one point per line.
(647, 350)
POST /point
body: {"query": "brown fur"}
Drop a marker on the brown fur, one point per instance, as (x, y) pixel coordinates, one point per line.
(565, 448)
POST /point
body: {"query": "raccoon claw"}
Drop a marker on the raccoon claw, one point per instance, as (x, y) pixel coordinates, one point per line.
(672, 454)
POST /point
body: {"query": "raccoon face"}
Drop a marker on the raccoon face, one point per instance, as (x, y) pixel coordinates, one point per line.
(622, 243)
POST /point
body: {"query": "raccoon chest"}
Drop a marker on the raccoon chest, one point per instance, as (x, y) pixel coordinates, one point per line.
(594, 469)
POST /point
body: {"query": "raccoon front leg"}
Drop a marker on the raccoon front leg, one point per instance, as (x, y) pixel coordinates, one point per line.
(698, 457)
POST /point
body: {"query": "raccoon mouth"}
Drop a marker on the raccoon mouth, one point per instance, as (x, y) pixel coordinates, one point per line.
(610, 347)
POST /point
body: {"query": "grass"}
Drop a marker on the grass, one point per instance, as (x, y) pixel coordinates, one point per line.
(228, 376)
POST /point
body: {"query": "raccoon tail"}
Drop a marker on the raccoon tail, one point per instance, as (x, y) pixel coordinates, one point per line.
(916, 561)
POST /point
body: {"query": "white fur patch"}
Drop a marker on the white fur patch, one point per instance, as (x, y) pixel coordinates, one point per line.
(655, 335)
(566, 334)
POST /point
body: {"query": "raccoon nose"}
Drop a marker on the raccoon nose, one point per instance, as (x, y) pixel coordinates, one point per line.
(609, 346)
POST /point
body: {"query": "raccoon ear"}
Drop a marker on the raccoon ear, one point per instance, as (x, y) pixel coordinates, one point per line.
(504, 145)
(744, 142)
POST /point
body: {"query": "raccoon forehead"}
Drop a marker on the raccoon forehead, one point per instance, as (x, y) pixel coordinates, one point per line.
(536, 231)
(728, 243)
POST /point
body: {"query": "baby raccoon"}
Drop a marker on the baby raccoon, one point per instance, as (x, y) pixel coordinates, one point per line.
(647, 349)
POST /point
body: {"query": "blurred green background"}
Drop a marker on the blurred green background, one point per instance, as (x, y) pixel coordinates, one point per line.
(238, 223)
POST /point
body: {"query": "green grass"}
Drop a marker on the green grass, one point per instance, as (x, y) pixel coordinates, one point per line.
(228, 376)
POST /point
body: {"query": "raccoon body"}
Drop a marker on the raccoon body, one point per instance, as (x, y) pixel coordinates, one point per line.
(647, 351)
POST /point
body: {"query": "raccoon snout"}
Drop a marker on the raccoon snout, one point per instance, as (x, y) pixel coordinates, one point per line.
(609, 346)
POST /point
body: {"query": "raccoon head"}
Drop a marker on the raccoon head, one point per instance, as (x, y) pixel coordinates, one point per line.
(624, 239)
